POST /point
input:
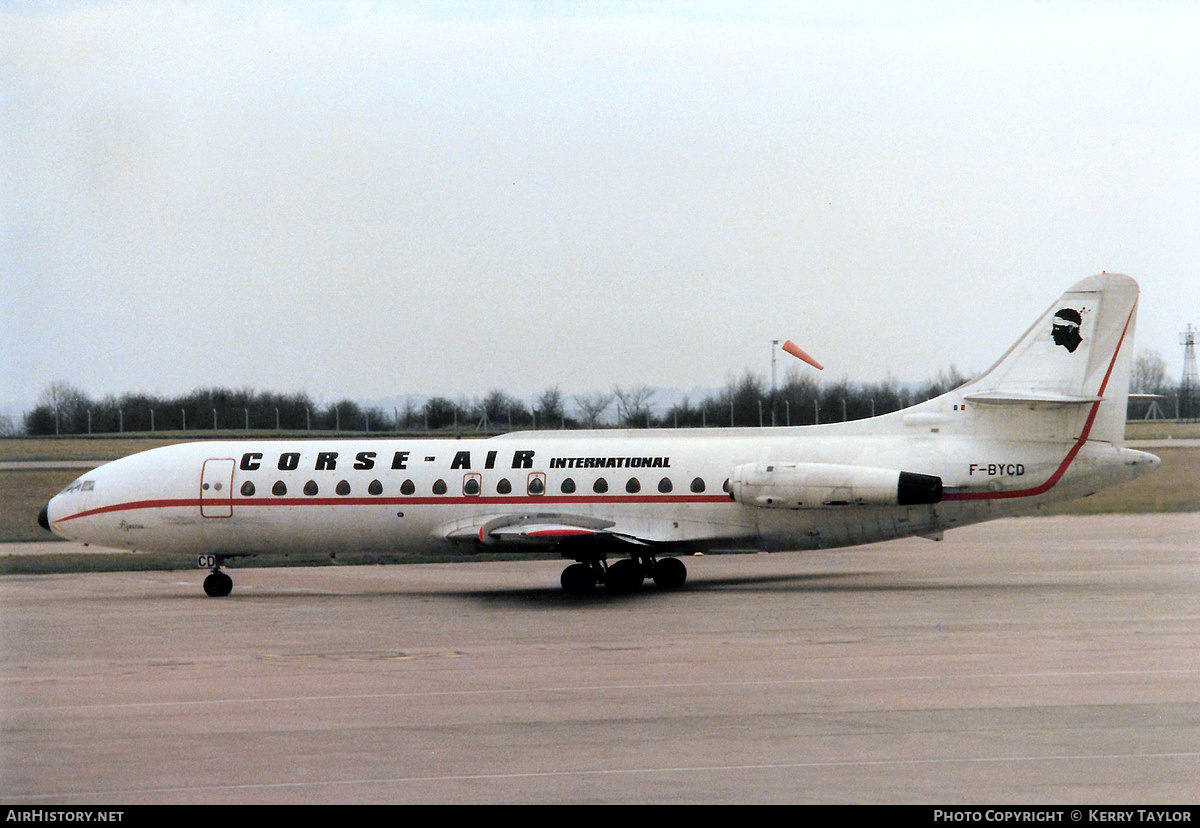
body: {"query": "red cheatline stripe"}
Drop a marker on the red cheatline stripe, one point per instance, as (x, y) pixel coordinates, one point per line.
(1052, 481)
(523, 500)
(136, 504)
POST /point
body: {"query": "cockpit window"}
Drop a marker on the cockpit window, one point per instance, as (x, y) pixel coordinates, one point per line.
(80, 486)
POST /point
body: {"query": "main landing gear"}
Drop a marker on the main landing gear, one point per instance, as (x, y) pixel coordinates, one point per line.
(623, 576)
(218, 584)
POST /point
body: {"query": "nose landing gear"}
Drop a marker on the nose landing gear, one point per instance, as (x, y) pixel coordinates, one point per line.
(218, 584)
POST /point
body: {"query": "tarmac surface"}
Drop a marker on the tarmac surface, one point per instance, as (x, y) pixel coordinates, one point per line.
(1025, 661)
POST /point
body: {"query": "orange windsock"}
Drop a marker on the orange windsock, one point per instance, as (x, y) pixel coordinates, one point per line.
(795, 350)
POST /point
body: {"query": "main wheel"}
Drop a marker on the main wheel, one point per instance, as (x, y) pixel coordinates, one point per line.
(218, 585)
(624, 576)
(577, 579)
(670, 573)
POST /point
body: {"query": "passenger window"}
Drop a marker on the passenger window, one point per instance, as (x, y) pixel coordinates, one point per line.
(503, 486)
(407, 487)
(471, 485)
(279, 489)
(247, 489)
(537, 483)
(310, 488)
(439, 486)
(664, 485)
(376, 488)
(343, 487)
(568, 486)
(600, 486)
(698, 485)
(633, 486)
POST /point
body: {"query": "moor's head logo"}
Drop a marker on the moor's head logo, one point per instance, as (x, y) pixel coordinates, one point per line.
(1065, 329)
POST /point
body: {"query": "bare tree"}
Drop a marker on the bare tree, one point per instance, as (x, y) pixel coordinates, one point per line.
(67, 405)
(592, 407)
(633, 404)
(549, 406)
(500, 409)
(1149, 373)
(947, 380)
(58, 395)
(408, 415)
(438, 412)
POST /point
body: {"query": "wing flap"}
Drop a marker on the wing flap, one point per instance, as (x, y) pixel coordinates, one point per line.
(545, 529)
(553, 529)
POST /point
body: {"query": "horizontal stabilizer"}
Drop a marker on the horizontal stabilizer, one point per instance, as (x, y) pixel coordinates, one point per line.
(1036, 400)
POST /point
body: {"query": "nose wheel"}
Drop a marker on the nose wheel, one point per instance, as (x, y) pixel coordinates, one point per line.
(217, 584)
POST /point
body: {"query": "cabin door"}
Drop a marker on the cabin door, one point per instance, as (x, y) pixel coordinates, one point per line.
(216, 488)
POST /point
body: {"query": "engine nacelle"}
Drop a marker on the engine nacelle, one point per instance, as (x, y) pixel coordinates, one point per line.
(830, 485)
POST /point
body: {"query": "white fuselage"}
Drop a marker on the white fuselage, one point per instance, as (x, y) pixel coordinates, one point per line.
(664, 487)
(1042, 424)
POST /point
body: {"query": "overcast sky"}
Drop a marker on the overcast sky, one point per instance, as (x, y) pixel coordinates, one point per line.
(368, 199)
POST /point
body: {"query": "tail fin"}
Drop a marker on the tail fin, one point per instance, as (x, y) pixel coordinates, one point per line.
(1068, 376)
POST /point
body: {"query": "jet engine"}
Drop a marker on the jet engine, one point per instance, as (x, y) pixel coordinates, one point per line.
(828, 485)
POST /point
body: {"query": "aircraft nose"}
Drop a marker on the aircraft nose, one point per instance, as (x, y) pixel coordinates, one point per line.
(44, 517)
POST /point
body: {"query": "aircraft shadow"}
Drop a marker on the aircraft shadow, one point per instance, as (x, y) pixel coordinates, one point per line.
(552, 597)
(812, 583)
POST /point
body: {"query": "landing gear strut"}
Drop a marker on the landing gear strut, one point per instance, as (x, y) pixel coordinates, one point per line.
(218, 584)
(623, 576)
